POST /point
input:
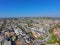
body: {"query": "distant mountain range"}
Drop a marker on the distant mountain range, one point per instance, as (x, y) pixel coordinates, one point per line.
(32, 18)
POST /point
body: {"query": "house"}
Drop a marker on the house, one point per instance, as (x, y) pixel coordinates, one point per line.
(18, 43)
(57, 32)
(35, 34)
(30, 44)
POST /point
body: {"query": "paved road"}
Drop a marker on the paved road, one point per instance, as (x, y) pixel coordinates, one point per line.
(7, 42)
(38, 42)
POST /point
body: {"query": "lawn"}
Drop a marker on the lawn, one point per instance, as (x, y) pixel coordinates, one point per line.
(52, 39)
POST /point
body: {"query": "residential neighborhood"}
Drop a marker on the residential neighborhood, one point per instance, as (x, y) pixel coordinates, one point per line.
(30, 31)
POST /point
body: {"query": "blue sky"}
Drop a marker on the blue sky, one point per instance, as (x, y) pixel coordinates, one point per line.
(29, 8)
